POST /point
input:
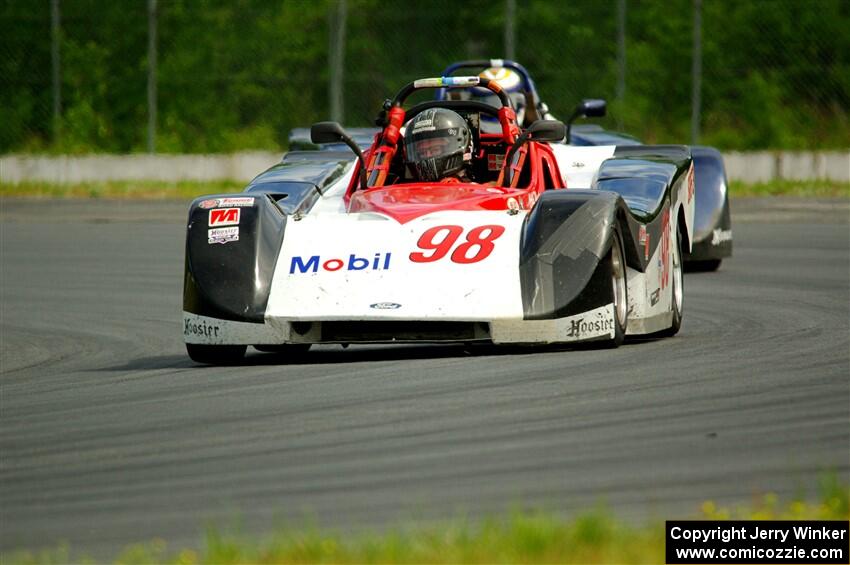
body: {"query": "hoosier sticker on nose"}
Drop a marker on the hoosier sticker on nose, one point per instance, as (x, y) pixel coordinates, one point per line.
(223, 235)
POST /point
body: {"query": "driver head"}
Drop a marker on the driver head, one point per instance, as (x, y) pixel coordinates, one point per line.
(437, 144)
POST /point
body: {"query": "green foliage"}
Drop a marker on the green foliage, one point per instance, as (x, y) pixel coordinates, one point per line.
(134, 190)
(240, 75)
(802, 189)
(514, 537)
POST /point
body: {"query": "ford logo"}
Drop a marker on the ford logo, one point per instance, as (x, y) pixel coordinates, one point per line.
(385, 306)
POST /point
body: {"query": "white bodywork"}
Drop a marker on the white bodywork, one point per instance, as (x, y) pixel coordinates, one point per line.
(579, 165)
(441, 289)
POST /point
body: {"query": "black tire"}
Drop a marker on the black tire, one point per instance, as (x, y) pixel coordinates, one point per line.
(216, 354)
(677, 288)
(706, 266)
(619, 290)
(286, 348)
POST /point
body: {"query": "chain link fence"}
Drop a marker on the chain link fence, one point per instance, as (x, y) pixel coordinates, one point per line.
(75, 74)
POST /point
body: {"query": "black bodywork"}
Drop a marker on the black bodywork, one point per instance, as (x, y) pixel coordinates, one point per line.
(232, 281)
(569, 232)
(711, 211)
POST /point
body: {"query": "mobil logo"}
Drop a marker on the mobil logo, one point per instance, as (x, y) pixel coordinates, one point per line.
(352, 262)
(224, 217)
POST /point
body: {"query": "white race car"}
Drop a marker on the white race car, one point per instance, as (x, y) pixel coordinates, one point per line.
(335, 247)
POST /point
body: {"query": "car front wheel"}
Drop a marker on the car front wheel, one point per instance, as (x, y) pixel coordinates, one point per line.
(678, 289)
(620, 290)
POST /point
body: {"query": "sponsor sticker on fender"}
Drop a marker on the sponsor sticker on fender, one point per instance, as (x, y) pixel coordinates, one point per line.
(200, 328)
(214, 331)
(654, 297)
(643, 239)
(691, 184)
(224, 217)
(664, 257)
(222, 235)
(224, 202)
(238, 201)
(719, 236)
(594, 325)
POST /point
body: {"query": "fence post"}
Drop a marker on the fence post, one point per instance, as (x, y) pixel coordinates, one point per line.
(151, 76)
(337, 59)
(510, 33)
(55, 37)
(696, 74)
(621, 61)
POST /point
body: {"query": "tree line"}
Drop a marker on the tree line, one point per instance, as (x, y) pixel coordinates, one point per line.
(240, 74)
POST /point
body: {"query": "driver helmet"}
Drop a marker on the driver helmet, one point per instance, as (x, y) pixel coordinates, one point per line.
(511, 83)
(437, 143)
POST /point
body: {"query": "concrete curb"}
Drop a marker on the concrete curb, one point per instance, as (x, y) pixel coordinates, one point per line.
(65, 169)
(755, 166)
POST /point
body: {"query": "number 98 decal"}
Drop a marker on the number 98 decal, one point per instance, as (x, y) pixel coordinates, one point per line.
(436, 243)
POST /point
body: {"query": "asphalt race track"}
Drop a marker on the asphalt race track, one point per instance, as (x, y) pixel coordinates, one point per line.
(109, 434)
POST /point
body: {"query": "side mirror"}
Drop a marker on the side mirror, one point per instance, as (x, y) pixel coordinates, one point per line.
(332, 132)
(589, 108)
(551, 131)
(327, 132)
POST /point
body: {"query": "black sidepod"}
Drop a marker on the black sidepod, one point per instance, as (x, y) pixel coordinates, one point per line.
(711, 211)
(232, 280)
(565, 236)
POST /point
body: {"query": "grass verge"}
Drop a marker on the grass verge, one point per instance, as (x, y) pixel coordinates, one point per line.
(517, 537)
(802, 189)
(130, 190)
(186, 190)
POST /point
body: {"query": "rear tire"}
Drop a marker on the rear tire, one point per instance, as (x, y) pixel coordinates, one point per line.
(620, 290)
(216, 354)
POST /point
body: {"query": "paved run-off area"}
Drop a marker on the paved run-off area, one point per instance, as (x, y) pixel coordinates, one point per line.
(110, 435)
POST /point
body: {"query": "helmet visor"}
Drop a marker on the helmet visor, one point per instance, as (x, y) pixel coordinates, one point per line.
(429, 145)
